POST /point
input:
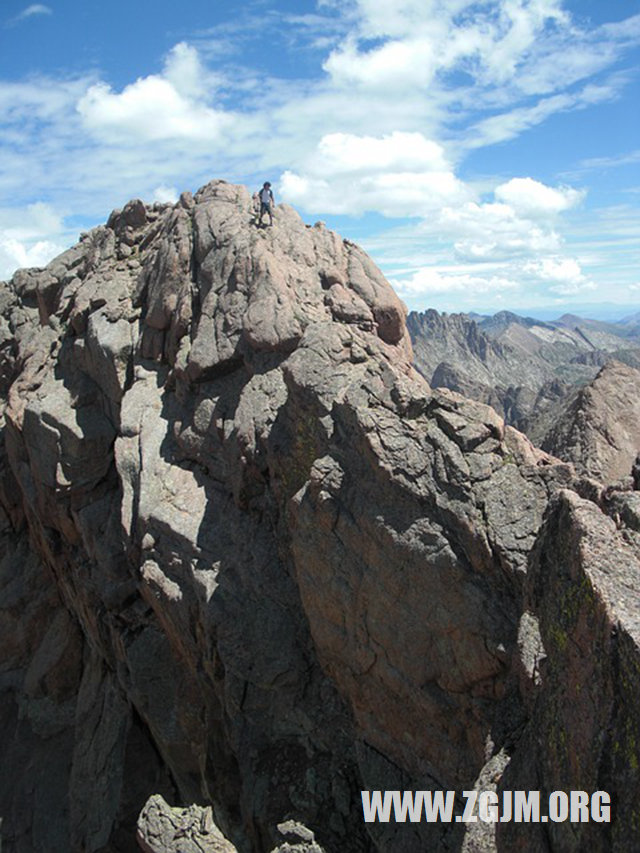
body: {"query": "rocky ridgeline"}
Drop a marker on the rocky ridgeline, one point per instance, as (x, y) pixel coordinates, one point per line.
(250, 560)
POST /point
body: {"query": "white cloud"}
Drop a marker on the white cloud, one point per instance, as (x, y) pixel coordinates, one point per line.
(566, 274)
(430, 281)
(611, 162)
(30, 236)
(157, 107)
(402, 174)
(490, 231)
(519, 222)
(626, 30)
(506, 247)
(572, 288)
(165, 194)
(519, 24)
(30, 222)
(556, 269)
(15, 254)
(504, 126)
(29, 12)
(394, 65)
(39, 99)
(392, 17)
(35, 9)
(418, 39)
(515, 278)
(534, 199)
(407, 152)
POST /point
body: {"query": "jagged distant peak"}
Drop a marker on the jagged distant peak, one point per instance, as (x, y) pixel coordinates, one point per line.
(504, 319)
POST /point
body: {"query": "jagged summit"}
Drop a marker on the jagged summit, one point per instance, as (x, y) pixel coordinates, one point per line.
(204, 260)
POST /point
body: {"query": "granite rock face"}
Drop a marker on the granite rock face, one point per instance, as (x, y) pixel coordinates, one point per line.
(584, 729)
(162, 829)
(599, 432)
(250, 559)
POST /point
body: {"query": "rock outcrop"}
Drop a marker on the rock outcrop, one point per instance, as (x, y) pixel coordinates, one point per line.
(583, 732)
(162, 829)
(599, 432)
(252, 561)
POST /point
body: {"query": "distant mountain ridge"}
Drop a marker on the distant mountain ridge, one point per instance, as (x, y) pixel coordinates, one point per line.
(526, 368)
(605, 311)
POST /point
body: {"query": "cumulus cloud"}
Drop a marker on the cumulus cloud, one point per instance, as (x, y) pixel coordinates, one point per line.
(30, 222)
(573, 288)
(401, 174)
(492, 41)
(556, 276)
(557, 269)
(534, 199)
(186, 73)
(394, 65)
(15, 254)
(492, 243)
(430, 281)
(519, 221)
(565, 273)
(343, 152)
(163, 106)
(29, 237)
(491, 231)
(492, 56)
(508, 244)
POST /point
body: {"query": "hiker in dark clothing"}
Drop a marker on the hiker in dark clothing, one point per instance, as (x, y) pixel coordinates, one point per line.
(266, 202)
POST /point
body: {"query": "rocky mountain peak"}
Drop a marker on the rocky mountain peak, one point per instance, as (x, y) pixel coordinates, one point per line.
(252, 288)
(249, 559)
(203, 263)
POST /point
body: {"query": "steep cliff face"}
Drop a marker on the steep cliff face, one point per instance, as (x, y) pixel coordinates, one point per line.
(250, 558)
(583, 730)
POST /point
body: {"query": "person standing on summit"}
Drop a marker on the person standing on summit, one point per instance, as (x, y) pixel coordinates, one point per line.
(266, 202)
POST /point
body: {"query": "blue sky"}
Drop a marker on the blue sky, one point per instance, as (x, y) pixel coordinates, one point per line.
(486, 154)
